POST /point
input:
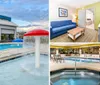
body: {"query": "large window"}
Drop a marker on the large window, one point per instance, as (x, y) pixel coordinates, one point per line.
(7, 37)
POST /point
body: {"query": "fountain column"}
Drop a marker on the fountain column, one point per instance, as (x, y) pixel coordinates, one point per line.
(37, 33)
(37, 51)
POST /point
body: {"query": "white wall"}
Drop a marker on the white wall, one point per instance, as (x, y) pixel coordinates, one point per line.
(53, 11)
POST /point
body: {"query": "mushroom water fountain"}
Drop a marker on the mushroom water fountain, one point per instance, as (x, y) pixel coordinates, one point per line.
(37, 33)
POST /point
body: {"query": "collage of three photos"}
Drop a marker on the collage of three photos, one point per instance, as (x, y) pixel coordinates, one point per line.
(50, 42)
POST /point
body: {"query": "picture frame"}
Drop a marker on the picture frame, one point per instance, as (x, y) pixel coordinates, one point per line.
(62, 12)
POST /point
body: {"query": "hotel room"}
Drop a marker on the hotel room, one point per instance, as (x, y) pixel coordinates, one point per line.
(74, 22)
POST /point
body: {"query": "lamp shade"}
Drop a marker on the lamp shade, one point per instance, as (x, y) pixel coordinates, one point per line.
(99, 25)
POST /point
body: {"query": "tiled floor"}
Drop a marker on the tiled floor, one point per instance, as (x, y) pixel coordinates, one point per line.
(91, 66)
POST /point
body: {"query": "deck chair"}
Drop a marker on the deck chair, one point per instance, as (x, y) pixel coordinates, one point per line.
(53, 57)
(59, 59)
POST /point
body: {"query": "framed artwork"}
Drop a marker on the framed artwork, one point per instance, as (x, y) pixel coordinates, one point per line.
(63, 12)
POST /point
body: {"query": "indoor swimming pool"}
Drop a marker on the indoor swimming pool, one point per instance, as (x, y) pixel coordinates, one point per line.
(88, 60)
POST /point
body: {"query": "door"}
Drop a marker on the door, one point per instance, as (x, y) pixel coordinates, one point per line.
(82, 18)
(90, 18)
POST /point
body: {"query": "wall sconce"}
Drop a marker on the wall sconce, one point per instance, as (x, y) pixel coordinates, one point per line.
(99, 25)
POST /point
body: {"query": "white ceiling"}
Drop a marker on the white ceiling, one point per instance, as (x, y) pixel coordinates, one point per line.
(77, 3)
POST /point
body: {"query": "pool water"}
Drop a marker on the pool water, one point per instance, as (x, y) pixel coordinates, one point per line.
(88, 60)
(21, 71)
(81, 77)
(7, 46)
(77, 81)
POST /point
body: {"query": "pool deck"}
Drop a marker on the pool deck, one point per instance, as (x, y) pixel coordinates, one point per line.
(15, 52)
(90, 66)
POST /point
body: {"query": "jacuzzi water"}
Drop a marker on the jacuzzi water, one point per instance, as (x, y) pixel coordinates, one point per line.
(78, 81)
(81, 78)
(7, 46)
(22, 71)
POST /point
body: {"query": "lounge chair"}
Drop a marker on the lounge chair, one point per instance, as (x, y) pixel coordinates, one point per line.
(59, 58)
